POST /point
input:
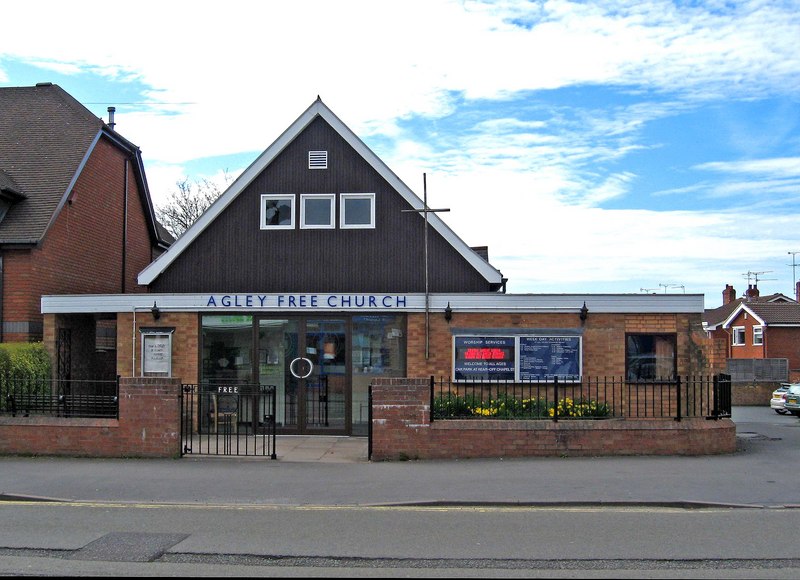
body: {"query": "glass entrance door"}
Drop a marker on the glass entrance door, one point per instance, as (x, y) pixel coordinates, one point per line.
(306, 360)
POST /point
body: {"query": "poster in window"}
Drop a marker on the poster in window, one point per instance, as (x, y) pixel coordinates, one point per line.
(484, 358)
(156, 355)
(545, 357)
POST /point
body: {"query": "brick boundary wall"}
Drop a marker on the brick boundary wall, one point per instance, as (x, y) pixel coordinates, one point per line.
(148, 426)
(752, 394)
(401, 429)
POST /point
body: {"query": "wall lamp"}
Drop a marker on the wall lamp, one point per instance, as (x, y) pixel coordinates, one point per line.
(156, 312)
(584, 312)
(448, 313)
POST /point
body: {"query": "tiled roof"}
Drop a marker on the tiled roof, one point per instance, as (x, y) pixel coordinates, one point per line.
(776, 312)
(716, 316)
(44, 136)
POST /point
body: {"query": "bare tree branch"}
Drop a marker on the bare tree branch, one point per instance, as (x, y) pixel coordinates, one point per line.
(187, 203)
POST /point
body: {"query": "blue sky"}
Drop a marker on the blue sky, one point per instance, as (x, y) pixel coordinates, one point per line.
(592, 146)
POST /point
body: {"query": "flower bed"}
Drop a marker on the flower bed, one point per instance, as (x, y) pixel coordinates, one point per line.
(503, 406)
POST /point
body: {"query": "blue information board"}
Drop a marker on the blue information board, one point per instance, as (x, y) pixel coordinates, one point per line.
(480, 358)
(545, 357)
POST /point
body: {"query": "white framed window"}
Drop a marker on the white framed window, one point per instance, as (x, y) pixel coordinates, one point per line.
(758, 335)
(357, 210)
(277, 211)
(317, 211)
(738, 335)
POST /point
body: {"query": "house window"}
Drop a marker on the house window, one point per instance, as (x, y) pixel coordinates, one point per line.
(738, 336)
(316, 211)
(357, 210)
(758, 335)
(277, 212)
(650, 357)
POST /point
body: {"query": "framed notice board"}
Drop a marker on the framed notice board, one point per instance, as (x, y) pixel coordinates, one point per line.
(545, 357)
(484, 358)
(516, 358)
(156, 352)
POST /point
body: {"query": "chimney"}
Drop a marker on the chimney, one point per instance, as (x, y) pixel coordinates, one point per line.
(752, 292)
(797, 291)
(729, 294)
(482, 251)
(111, 111)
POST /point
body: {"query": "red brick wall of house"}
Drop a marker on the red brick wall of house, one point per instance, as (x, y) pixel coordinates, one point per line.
(401, 429)
(82, 251)
(20, 304)
(783, 342)
(748, 349)
(148, 426)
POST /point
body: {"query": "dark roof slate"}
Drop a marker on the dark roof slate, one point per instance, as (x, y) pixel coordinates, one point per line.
(776, 312)
(45, 135)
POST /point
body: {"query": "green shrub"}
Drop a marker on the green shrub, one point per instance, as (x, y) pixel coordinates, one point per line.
(24, 368)
(451, 405)
(24, 360)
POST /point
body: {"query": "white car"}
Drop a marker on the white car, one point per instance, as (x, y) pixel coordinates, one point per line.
(776, 402)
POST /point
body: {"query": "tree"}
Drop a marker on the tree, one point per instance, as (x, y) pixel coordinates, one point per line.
(187, 203)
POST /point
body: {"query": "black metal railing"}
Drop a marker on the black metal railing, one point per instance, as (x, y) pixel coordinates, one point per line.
(228, 419)
(583, 398)
(25, 397)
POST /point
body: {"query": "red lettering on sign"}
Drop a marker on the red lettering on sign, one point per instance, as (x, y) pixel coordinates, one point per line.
(484, 354)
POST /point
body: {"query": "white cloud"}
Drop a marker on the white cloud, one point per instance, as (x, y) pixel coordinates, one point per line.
(776, 167)
(228, 80)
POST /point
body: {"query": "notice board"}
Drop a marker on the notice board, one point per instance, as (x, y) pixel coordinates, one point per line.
(484, 358)
(516, 358)
(544, 357)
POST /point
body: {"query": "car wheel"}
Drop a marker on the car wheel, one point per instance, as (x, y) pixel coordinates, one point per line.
(780, 411)
(795, 413)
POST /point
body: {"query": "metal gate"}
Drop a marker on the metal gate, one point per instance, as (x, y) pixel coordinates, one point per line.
(228, 419)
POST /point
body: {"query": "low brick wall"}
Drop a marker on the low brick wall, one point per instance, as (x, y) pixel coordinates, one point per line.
(401, 429)
(755, 395)
(148, 426)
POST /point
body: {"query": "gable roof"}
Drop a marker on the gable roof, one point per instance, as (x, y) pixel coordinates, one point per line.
(715, 317)
(46, 138)
(317, 109)
(767, 313)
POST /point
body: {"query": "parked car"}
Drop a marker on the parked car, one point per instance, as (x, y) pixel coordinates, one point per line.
(776, 402)
(791, 400)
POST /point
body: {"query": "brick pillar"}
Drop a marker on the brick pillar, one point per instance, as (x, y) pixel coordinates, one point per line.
(400, 418)
(150, 417)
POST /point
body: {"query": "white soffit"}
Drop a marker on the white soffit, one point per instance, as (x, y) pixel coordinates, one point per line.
(485, 302)
(733, 315)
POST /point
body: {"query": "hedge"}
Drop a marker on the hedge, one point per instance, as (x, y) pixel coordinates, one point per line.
(24, 359)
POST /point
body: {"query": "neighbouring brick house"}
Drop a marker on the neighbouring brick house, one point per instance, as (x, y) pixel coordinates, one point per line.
(756, 327)
(75, 218)
(308, 271)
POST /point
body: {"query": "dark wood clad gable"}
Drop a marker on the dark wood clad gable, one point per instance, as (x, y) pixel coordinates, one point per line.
(234, 255)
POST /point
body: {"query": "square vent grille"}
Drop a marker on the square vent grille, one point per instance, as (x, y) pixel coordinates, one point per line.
(317, 159)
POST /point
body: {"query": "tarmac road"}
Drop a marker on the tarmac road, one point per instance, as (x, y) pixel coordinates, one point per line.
(715, 517)
(762, 473)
